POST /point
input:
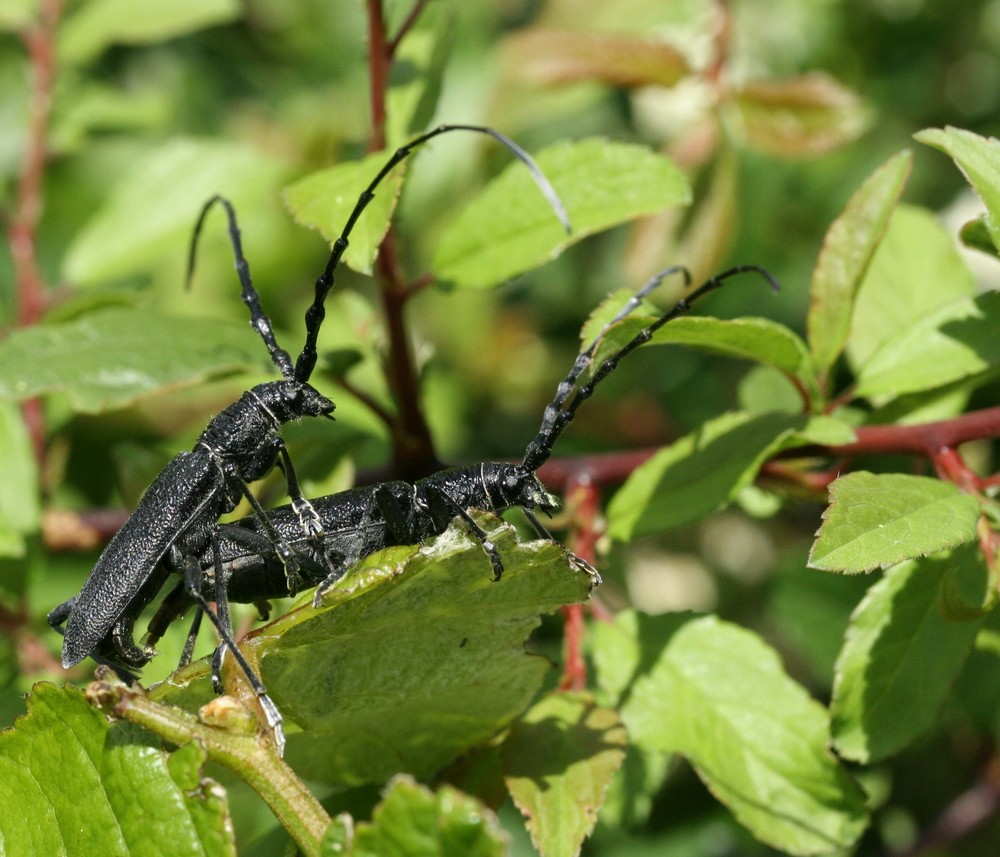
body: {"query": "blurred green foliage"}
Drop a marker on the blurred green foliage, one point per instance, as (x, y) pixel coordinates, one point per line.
(777, 110)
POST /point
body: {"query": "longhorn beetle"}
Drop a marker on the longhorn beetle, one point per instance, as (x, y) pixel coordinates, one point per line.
(242, 565)
(177, 516)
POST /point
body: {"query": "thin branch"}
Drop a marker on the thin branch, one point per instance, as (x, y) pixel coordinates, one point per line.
(413, 447)
(30, 287)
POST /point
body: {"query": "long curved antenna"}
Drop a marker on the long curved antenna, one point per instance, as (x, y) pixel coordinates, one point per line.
(258, 318)
(558, 414)
(316, 313)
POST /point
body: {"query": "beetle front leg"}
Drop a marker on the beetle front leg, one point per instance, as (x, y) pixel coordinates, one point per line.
(192, 581)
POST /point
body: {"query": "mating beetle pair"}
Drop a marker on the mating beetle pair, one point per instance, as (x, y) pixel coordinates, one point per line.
(175, 528)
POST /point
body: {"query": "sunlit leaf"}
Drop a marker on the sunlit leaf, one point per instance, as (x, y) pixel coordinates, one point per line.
(878, 520)
(325, 199)
(717, 694)
(847, 250)
(510, 228)
(916, 269)
(561, 805)
(72, 784)
(412, 819)
(956, 341)
(900, 655)
(708, 468)
(979, 160)
(154, 206)
(418, 629)
(20, 511)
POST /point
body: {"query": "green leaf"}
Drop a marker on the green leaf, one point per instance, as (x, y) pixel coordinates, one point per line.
(806, 115)
(71, 784)
(17, 14)
(419, 63)
(111, 358)
(874, 521)
(979, 160)
(718, 694)
(20, 512)
(413, 820)
(847, 249)
(153, 208)
(706, 469)
(558, 761)
(758, 339)
(98, 24)
(900, 657)
(414, 657)
(976, 236)
(510, 228)
(956, 341)
(325, 199)
(915, 270)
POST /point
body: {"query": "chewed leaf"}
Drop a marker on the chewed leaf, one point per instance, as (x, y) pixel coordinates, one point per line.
(874, 521)
(561, 806)
(417, 629)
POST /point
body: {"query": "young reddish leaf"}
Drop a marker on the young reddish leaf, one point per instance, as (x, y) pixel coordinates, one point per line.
(979, 160)
(874, 521)
(552, 57)
(805, 115)
(558, 761)
(847, 250)
(900, 657)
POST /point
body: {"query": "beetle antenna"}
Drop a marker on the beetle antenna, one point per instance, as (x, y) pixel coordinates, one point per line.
(258, 318)
(316, 313)
(558, 414)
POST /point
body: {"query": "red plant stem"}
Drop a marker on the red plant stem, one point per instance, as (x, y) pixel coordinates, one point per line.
(39, 41)
(413, 448)
(30, 288)
(584, 500)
